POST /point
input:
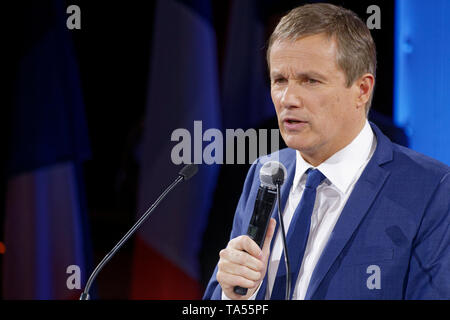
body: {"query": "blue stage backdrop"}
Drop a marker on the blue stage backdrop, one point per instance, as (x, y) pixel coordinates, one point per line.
(422, 59)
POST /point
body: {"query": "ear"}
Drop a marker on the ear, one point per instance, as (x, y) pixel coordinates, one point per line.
(365, 86)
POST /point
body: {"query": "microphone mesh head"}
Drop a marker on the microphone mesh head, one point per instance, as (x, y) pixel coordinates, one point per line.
(188, 171)
(271, 174)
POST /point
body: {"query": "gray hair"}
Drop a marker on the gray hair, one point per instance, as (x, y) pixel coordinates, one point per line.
(356, 51)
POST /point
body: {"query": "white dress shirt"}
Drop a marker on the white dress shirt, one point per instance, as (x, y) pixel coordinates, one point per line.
(341, 170)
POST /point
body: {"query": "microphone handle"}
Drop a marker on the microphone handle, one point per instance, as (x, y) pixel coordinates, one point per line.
(85, 294)
(259, 222)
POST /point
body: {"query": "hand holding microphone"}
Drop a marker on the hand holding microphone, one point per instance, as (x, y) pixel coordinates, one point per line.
(243, 263)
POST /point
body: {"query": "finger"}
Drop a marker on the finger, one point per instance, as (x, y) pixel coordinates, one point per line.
(231, 280)
(239, 270)
(269, 235)
(240, 257)
(247, 244)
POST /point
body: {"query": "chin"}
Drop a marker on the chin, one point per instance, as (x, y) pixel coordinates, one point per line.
(297, 144)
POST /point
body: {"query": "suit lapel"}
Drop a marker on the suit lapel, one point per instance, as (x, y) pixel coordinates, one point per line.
(289, 164)
(364, 193)
(285, 189)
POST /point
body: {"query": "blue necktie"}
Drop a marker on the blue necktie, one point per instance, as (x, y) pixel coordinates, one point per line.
(297, 236)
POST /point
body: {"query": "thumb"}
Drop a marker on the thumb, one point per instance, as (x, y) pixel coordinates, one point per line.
(269, 236)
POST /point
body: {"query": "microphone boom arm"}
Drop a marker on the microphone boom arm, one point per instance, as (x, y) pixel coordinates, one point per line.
(85, 294)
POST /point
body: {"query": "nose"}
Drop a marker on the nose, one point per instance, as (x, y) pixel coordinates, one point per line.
(290, 97)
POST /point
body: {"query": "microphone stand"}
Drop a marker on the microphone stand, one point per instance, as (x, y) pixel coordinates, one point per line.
(182, 176)
(286, 255)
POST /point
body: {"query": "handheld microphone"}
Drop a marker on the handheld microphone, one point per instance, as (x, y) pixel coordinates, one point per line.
(271, 175)
(185, 173)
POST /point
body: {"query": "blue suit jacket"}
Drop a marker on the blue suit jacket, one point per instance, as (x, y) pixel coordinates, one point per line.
(395, 226)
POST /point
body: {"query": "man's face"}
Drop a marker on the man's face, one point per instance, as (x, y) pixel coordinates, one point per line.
(317, 114)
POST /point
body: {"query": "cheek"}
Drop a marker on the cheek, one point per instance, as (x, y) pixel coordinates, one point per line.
(342, 109)
(331, 108)
(276, 101)
(276, 97)
(326, 115)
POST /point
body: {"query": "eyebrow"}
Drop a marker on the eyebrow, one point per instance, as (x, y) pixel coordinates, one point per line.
(300, 75)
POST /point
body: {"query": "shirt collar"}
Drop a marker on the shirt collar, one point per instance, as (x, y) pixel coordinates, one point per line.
(342, 167)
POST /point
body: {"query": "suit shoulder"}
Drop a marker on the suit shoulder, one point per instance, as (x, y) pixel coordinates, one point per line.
(283, 155)
(286, 156)
(420, 163)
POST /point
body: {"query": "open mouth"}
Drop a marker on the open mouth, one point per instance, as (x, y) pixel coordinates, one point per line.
(293, 121)
(293, 124)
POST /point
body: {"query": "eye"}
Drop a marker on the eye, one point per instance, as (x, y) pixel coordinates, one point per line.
(312, 81)
(278, 80)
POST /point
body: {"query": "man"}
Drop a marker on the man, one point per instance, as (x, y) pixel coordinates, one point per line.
(370, 219)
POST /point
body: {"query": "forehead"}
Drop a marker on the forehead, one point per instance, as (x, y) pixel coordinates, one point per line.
(316, 52)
